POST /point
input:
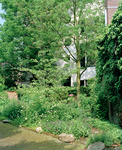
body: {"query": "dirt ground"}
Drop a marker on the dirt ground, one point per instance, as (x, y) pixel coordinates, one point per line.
(15, 138)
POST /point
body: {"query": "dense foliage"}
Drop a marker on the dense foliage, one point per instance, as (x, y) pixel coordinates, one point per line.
(34, 109)
(109, 68)
(17, 47)
(34, 37)
(20, 53)
(37, 34)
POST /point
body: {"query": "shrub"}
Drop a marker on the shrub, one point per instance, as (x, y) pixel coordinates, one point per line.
(27, 118)
(106, 126)
(3, 100)
(106, 138)
(88, 99)
(79, 129)
(86, 104)
(13, 110)
(2, 83)
(56, 93)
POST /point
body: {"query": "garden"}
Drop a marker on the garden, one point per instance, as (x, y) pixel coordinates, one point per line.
(58, 111)
(42, 45)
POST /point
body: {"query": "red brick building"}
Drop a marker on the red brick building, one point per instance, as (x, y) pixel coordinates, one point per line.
(110, 8)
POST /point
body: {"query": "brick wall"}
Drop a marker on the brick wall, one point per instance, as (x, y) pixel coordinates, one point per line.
(111, 7)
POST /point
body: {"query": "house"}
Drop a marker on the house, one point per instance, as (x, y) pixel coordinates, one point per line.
(89, 73)
(110, 8)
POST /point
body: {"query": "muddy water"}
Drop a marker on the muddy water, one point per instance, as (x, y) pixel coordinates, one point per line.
(14, 138)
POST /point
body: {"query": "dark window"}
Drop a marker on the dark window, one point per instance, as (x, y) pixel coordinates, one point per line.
(81, 82)
(82, 62)
(67, 82)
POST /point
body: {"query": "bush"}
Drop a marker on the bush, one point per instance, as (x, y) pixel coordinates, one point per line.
(13, 110)
(27, 118)
(87, 104)
(56, 93)
(106, 138)
(2, 83)
(3, 100)
(106, 126)
(79, 129)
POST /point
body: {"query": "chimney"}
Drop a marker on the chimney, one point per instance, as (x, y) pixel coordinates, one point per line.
(110, 8)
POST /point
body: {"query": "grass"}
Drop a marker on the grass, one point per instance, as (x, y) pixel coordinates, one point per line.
(2, 118)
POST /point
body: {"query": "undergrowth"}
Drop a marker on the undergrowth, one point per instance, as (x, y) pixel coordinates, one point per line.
(67, 115)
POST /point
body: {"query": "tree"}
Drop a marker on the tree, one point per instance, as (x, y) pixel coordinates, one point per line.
(17, 48)
(109, 68)
(37, 32)
(70, 23)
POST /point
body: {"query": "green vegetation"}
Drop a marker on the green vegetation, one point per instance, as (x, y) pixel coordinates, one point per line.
(114, 131)
(109, 69)
(32, 40)
(106, 138)
(67, 115)
(2, 83)
(37, 34)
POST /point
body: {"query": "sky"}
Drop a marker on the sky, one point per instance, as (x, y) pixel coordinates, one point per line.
(1, 11)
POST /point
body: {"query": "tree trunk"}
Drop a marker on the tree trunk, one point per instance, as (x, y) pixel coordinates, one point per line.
(110, 113)
(78, 78)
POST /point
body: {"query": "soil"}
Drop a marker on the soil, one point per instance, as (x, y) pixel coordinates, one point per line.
(15, 138)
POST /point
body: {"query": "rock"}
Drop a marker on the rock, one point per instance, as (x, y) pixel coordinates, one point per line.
(39, 130)
(96, 146)
(117, 148)
(111, 148)
(6, 121)
(66, 137)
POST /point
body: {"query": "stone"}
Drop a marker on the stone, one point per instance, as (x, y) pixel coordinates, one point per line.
(12, 95)
(96, 146)
(68, 138)
(117, 148)
(39, 130)
(111, 148)
(6, 121)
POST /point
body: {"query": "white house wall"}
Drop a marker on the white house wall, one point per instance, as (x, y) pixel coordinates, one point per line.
(89, 73)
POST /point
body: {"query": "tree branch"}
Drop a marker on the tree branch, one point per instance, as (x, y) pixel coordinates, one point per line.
(15, 69)
(34, 76)
(67, 54)
(83, 71)
(72, 57)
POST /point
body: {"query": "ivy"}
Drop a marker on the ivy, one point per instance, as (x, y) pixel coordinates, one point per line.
(109, 67)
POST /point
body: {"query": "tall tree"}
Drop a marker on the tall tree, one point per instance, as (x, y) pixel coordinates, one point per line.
(70, 23)
(20, 50)
(17, 48)
(37, 31)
